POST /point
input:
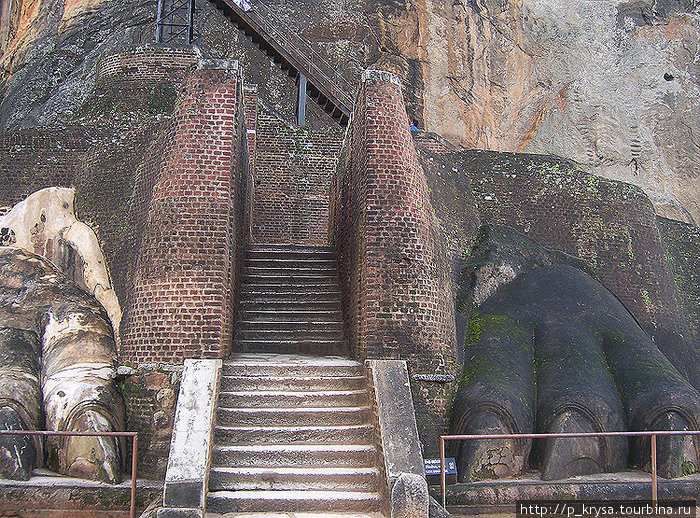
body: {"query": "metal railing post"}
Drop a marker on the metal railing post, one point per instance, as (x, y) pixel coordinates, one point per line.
(158, 20)
(116, 435)
(443, 482)
(654, 480)
(134, 463)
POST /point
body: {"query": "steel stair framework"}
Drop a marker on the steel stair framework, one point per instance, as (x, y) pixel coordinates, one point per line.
(312, 71)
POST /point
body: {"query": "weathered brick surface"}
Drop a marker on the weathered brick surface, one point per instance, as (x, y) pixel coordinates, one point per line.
(182, 304)
(396, 280)
(293, 170)
(35, 159)
(250, 98)
(145, 64)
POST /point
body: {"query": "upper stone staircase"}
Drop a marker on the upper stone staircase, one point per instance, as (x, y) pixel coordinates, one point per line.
(325, 85)
(293, 435)
(290, 302)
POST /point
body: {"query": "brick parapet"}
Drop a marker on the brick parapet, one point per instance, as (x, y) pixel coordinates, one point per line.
(145, 64)
(182, 302)
(293, 171)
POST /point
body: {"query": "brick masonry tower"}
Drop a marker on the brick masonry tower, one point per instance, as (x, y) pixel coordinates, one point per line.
(398, 299)
(183, 287)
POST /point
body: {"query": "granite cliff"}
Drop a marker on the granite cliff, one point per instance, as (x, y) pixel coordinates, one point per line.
(613, 85)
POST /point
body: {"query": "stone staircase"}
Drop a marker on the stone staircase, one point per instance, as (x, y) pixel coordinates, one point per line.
(293, 436)
(290, 302)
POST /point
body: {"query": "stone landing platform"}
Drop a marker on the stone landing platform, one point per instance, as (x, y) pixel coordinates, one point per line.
(47, 495)
(498, 497)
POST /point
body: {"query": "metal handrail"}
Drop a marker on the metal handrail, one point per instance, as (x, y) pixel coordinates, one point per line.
(134, 450)
(653, 434)
(262, 15)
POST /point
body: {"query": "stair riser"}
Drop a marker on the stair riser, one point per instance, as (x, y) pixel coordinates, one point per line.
(290, 316)
(293, 459)
(323, 304)
(292, 263)
(258, 417)
(216, 504)
(322, 272)
(277, 325)
(315, 347)
(295, 281)
(285, 335)
(291, 401)
(358, 435)
(221, 481)
(296, 255)
(235, 368)
(236, 384)
(310, 291)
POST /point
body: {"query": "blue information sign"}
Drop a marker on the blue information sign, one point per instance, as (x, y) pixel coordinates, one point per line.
(432, 466)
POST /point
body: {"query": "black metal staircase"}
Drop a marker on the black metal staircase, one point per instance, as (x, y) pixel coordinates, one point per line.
(314, 74)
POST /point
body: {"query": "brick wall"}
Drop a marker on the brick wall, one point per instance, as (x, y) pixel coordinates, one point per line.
(35, 159)
(394, 272)
(182, 303)
(293, 170)
(250, 97)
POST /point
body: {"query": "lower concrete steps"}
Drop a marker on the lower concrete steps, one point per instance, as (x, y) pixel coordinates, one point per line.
(350, 434)
(293, 515)
(293, 435)
(293, 501)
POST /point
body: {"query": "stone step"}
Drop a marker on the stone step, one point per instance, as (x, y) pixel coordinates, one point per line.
(290, 366)
(292, 325)
(286, 292)
(292, 501)
(297, 315)
(291, 515)
(257, 399)
(348, 434)
(291, 280)
(290, 252)
(286, 262)
(321, 303)
(299, 346)
(277, 416)
(292, 270)
(294, 455)
(288, 246)
(295, 479)
(297, 383)
(333, 332)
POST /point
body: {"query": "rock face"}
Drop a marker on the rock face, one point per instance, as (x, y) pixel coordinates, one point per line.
(44, 313)
(612, 85)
